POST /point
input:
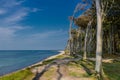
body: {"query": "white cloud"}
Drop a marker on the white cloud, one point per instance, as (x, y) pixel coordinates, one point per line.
(47, 34)
(7, 33)
(10, 22)
(36, 10)
(17, 16)
(11, 3)
(2, 11)
(20, 27)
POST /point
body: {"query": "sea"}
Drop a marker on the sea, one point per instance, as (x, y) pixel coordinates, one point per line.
(13, 60)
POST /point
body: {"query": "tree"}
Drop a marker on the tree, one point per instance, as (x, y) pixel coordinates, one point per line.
(98, 66)
(77, 8)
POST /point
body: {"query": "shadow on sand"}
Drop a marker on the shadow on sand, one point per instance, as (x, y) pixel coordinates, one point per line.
(58, 62)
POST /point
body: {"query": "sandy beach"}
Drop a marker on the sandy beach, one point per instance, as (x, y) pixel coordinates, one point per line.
(51, 57)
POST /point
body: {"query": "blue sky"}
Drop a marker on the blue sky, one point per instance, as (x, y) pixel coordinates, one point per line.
(35, 24)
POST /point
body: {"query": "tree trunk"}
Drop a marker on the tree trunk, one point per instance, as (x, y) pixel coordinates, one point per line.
(98, 66)
(111, 39)
(85, 47)
(85, 44)
(70, 38)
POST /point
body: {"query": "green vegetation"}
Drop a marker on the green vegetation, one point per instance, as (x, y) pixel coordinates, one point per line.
(19, 75)
(112, 70)
(74, 74)
(78, 67)
(48, 61)
(78, 70)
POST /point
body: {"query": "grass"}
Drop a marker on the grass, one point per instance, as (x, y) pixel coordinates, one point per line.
(88, 66)
(49, 74)
(48, 61)
(77, 70)
(112, 70)
(19, 75)
(75, 74)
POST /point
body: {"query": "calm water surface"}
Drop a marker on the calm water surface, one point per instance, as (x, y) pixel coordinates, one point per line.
(12, 60)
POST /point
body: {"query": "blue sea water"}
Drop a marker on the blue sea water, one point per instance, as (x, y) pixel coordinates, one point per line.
(12, 60)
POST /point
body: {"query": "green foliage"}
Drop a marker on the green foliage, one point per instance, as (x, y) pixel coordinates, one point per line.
(19, 75)
(48, 61)
(82, 21)
(78, 75)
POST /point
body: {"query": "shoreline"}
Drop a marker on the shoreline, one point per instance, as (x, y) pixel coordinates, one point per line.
(51, 57)
(40, 62)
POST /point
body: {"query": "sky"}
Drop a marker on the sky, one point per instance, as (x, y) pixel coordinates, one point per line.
(35, 24)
